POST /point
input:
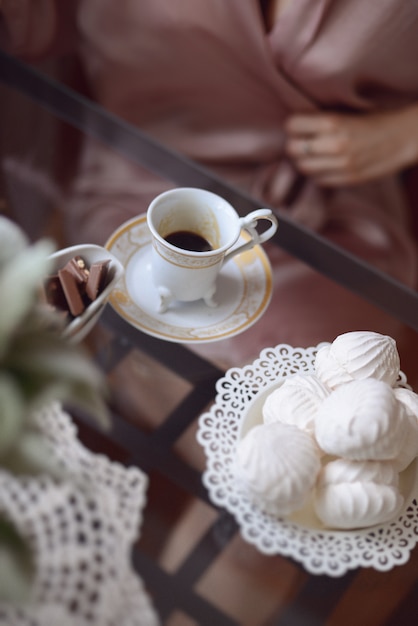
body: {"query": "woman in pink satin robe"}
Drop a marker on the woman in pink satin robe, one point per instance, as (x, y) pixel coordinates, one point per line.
(257, 92)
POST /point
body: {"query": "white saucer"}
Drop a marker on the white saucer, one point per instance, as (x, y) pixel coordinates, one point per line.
(243, 293)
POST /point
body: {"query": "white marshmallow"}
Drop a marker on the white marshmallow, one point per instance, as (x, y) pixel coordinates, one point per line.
(409, 448)
(358, 355)
(362, 420)
(345, 471)
(408, 398)
(295, 402)
(355, 494)
(277, 464)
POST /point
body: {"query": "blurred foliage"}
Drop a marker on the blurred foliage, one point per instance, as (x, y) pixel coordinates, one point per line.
(16, 564)
(37, 366)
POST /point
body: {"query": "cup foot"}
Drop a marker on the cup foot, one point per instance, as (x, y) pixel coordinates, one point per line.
(166, 297)
(209, 299)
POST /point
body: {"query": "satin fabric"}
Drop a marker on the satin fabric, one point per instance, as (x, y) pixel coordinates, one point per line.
(207, 79)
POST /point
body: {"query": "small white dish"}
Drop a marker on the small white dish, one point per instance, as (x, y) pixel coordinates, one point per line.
(237, 408)
(243, 293)
(80, 326)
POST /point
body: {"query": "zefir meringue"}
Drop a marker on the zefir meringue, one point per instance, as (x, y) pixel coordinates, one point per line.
(362, 420)
(408, 398)
(358, 355)
(277, 464)
(409, 449)
(296, 402)
(354, 494)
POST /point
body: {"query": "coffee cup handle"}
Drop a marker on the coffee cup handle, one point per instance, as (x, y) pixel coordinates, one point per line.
(249, 224)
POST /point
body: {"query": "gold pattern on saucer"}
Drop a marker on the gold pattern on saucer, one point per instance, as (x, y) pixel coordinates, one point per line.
(244, 289)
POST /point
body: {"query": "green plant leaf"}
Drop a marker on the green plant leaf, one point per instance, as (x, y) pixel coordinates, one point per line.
(12, 238)
(92, 403)
(50, 368)
(12, 409)
(32, 456)
(16, 565)
(19, 281)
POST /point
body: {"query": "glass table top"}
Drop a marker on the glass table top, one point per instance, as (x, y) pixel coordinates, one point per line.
(194, 562)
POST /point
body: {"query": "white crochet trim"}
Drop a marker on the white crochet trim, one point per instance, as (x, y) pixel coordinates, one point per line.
(81, 531)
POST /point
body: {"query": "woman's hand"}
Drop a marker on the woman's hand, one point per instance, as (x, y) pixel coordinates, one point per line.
(337, 149)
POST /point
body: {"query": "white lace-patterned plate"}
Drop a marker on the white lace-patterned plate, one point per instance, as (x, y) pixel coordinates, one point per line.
(243, 292)
(240, 394)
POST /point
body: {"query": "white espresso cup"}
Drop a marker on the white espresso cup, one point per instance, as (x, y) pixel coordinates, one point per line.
(194, 233)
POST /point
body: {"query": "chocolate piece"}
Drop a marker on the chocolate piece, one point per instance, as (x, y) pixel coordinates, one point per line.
(96, 279)
(72, 294)
(75, 286)
(78, 268)
(53, 293)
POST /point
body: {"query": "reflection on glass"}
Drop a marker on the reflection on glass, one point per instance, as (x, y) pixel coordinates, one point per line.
(238, 89)
(242, 101)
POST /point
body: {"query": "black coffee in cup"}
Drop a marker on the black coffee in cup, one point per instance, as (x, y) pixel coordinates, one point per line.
(188, 240)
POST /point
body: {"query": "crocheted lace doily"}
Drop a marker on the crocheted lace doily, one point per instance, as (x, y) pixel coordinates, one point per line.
(319, 550)
(81, 531)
